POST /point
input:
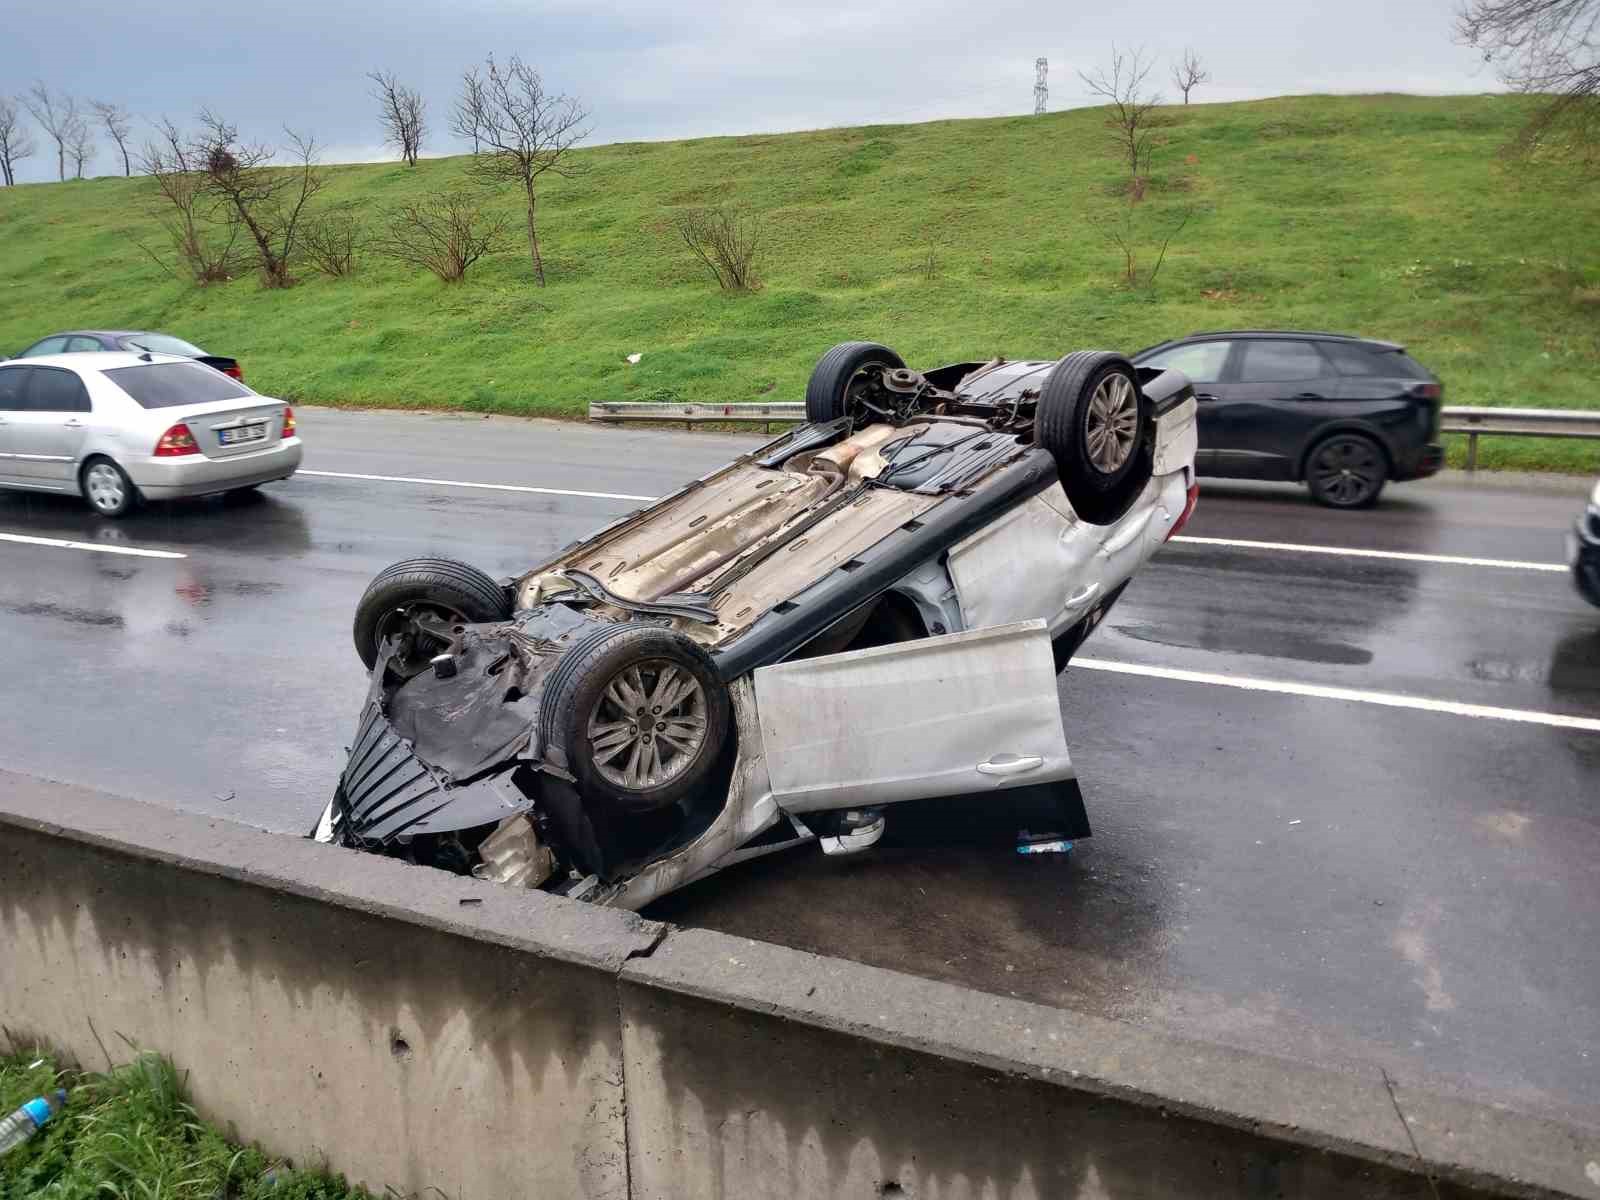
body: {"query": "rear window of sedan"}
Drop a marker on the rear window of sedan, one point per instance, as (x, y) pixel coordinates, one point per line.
(164, 343)
(172, 385)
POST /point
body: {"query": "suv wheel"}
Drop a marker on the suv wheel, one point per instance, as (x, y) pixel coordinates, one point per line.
(1346, 471)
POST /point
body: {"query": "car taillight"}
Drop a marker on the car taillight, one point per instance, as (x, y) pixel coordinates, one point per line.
(234, 372)
(177, 441)
(1188, 511)
(1427, 391)
(288, 421)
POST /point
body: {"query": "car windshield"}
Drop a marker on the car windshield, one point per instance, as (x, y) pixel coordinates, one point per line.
(164, 343)
(168, 385)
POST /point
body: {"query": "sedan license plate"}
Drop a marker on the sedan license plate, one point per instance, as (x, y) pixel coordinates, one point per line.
(243, 433)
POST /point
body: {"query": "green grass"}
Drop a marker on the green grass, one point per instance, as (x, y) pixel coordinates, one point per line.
(131, 1135)
(1387, 215)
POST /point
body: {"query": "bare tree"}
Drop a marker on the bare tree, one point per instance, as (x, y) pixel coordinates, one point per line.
(1549, 48)
(16, 143)
(57, 112)
(115, 118)
(445, 233)
(203, 230)
(725, 239)
(80, 144)
(269, 202)
(468, 105)
(526, 131)
(1189, 73)
(333, 239)
(402, 112)
(1123, 85)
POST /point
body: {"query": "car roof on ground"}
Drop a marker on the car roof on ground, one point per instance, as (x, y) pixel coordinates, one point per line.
(101, 361)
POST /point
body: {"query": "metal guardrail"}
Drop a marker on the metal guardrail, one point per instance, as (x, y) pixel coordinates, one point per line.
(1472, 422)
(1516, 422)
(693, 414)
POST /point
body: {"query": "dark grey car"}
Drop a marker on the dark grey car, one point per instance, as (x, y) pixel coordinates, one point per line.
(86, 341)
(1342, 414)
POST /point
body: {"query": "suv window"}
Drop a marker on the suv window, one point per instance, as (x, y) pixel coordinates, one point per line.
(50, 345)
(55, 390)
(168, 385)
(1202, 362)
(13, 385)
(1352, 359)
(1281, 361)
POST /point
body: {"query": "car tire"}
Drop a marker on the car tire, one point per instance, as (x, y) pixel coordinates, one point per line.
(597, 707)
(438, 586)
(1098, 426)
(107, 488)
(1347, 470)
(828, 394)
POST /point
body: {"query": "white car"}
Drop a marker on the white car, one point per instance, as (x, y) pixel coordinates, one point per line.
(116, 428)
(870, 610)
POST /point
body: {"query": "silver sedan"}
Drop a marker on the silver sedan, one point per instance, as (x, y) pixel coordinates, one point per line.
(118, 428)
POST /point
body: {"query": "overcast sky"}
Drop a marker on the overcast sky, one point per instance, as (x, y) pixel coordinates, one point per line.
(650, 69)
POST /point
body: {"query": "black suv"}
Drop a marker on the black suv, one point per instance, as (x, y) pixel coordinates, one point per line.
(1343, 414)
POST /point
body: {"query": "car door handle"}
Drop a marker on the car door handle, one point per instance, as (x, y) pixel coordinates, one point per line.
(1204, 396)
(72, 424)
(1308, 396)
(1010, 764)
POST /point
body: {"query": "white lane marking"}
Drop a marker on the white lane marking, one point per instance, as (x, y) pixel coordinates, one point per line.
(97, 547)
(488, 487)
(1354, 695)
(1452, 560)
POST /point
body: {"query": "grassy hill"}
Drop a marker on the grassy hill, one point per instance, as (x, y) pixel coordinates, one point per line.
(1385, 215)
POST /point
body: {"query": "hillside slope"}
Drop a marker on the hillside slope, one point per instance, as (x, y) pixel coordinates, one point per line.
(1385, 215)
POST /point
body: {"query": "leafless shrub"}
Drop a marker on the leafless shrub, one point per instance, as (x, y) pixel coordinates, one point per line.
(1122, 84)
(202, 230)
(15, 142)
(115, 118)
(1128, 233)
(1546, 48)
(332, 240)
(445, 233)
(525, 130)
(267, 201)
(1189, 73)
(725, 238)
(57, 112)
(403, 113)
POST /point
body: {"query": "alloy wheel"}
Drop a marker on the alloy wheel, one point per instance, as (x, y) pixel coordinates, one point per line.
(649, 725)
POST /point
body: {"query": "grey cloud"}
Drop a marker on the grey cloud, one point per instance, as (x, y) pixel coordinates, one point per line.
(651, 70)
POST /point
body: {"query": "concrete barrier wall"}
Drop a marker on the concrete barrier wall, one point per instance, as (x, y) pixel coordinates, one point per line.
(424, 1031)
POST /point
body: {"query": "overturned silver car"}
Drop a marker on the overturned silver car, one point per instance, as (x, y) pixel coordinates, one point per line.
(869, 610)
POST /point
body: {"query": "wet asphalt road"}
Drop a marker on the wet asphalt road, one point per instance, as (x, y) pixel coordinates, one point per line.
(1316, 878)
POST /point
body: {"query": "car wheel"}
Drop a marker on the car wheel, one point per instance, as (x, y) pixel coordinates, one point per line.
(1346, 471)
(1097, 424)
(839, 381)
(107, 488)
(640, 714)
(437, 588)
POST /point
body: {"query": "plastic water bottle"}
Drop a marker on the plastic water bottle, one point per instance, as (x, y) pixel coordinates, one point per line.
(29, 1119)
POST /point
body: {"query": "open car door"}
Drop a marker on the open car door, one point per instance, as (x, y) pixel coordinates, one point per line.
(943, 716)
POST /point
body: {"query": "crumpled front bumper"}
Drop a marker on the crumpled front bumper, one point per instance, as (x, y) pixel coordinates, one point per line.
(388, 794)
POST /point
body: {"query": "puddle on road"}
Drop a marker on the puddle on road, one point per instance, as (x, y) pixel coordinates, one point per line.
(1287, 644)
